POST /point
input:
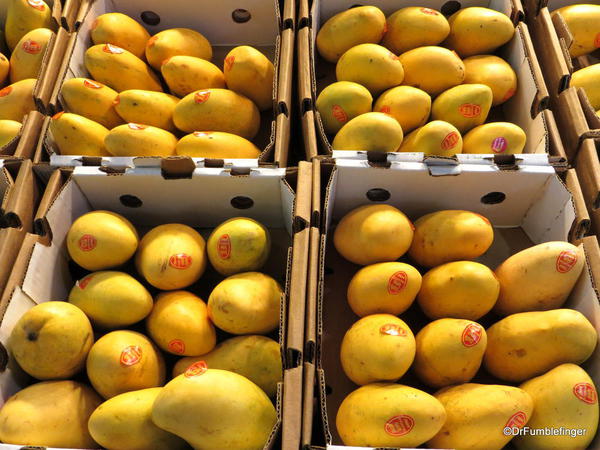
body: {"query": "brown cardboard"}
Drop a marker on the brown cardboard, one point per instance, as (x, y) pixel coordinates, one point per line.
(305, 95)
(52, 62)
(69, 14)
(588, 171)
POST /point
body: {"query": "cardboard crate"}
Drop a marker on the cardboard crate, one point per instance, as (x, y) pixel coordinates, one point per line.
(526, 108)
(537, 207)
(169, 193)
(267, 25)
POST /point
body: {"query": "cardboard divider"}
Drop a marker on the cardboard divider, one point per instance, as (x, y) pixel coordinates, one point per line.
(588, 171)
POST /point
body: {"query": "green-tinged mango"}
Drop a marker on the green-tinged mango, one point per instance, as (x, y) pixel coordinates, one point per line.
(372, 131)
(134, 139)
(76, 135)
(216, 144)
(122, 31)
(92, 100)
(186, 74)
(250, 73)
(434, 138)
(147, 107)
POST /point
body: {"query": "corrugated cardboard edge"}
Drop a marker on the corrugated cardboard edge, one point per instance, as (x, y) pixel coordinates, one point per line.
(51, 65)
(582, 222)
(570, 120)
(556, 145)
(588, 172)
(305, 98)
(69, 14)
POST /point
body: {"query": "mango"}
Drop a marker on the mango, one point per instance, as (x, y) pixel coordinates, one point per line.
(16, 100)
(174, 42)
(51, 340)
(414, 27)
(563, 397)
(186, 74)
(24, 16)
(120, 69)
(582, 22)
(26, 59)
(57, 414)
(478, 31)
(171, 256)
(460, 289)
(122, 31)
(179, 324)
(408, 105)
(216, 144)
(432, 69)
(449, 351)
(371, 65)
(123, 361)
(217, 110)
(372, 131)
(588, 79)
(477, 415)
(340, 102)
(388, 287)
(538, 278)
(92, 100)
(388, 415)
(525, 345)
(495, 73)
(434, 138)
(250, 73)
(9, 129)
(100, 240)
(246, 303)
(450, 235)
(495, 137)
(111, 299)
(360, 25)
(379, 347)
(4, 68)
(146, 107)
(135, 139)
(76, 135)
(257, 358)
(212, 408)
(125, 422)
(239, 244)
(373, 233)
(465, 106)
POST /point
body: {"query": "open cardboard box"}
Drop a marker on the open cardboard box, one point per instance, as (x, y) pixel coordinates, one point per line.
(167, 193)
(527, 206)
(267, 25)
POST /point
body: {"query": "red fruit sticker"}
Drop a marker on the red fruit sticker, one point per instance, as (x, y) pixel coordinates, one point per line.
(450, 140)
(201, 96)
(180, 261)
(499, 145)
(196, 369)
(136, 126)
(6, 91)
(397, 282)
(469, 110)
(83, 283)
(131, 355)
(471, 335)
(202, 134)
(224, 247)
(586, 393)
(229, 62)
(385, 109)
(57, 115)
(87, 242)
(339, 114)
(565, 261)
(399, 425)
(112, 49)
(517, 420)
(597, 40)
(392, 329)
(431, 12)
(177, 346)
(37, 4)
(31, 47)
(92, 84)
(509, 94)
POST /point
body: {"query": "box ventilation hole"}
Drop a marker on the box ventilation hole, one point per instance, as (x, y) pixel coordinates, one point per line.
(131, 201)
(150, 18)
(241, 15)
(378, 195)
(328, 270)
(241, 202)
(450, 7)
(493, 198)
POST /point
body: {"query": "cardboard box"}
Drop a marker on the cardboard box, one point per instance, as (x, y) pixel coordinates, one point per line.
(267, 25)
(168, 192)
(526, 206)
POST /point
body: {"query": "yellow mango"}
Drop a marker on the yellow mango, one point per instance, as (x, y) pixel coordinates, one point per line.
(408, 105)
(388, 287)
(340, 102)
(449, 351)
(255, 357)
(460, 289)
(388, 415)
(147, 107)
(563, 397)
(250, 73)
(217, 110)
(9, 129)
(186, 74)
(216, 144)
(373, 233)
(16, 100)
(434, 138)
(372, 131)
(92, 100)
(174, 42)
(120, 69)
(371, 65)
(582, 22)
(450, 235)
(414, 27)
(477, 415)
(525, 345)
(360, 25)
(26, 59)
(134, 139)
(122, 31)
(4, 68)
(495, 137)
(588, 79)
(432, 69)
(24, 16)
(465, 106)
(75, 135)
(495, 73)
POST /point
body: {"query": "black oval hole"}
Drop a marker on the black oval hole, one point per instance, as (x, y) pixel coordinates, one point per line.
(241, 202)
(328, 390)
(450, 7)
(241, 15)
(328, 270)
(150, 18)
(131, 201)
(493, 197)
(378, 195)
(355, 6)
